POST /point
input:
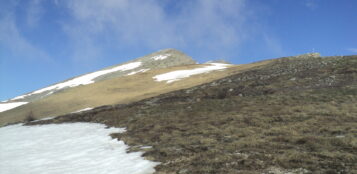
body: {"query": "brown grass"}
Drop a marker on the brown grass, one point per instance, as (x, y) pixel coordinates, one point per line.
(114, 91)
(250, 122)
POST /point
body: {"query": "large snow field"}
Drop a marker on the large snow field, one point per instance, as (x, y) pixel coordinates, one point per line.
(8, 106)
(85, 79)
(67, 148)
(180, 74)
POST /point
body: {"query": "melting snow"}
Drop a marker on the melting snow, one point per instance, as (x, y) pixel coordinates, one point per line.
(135, 72)
(85, 79)
(67, 148)
(161, 57)
(47, 118)
(8, 106)
(145, 147)
(180, 74)
(85, 109)
(20, 97)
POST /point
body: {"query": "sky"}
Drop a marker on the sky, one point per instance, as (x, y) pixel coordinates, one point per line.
(43, 42)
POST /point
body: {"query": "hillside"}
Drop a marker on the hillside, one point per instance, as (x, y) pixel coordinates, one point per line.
(287, 115)
(124, 85)
(161, 59)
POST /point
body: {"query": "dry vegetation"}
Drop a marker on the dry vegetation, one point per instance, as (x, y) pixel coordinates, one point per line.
(292, 115)
(120, 90)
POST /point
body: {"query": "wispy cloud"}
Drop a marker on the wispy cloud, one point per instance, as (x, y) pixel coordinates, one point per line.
(94, 28)
(34, 12)
(205, 24)
(311, 4)
(273, 44)
(354, 50)
(12, 40)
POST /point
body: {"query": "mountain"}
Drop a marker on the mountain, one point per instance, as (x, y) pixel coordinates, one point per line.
(132, 81)
(288, 115)
(161, 59)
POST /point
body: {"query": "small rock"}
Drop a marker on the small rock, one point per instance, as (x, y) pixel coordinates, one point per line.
(214, 84)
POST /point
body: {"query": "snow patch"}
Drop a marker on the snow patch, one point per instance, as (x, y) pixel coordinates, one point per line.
(161, 57)
(81, 148)
(85, 79)
(180, 74)
(85, 109)
(140, 71)
(8, 106)
(19, 97)
(47, 118)
(145, 147)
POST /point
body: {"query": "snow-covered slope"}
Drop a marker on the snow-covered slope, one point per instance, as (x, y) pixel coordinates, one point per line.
(161, 59)
(132, 81)
(83, 148)
(83, 80)
(180, 74)
(10, 105)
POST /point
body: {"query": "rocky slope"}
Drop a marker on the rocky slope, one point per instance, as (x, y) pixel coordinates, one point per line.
(288, 115)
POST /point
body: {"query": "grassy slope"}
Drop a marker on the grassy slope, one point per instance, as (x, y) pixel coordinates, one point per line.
(119, 90)
(293, 115)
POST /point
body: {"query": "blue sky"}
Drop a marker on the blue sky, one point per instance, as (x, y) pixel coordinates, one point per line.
(46, 41)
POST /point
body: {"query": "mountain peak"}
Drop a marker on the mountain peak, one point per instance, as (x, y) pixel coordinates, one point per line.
(177, 56)
(168, 50)
(157, 60)
(309, 55)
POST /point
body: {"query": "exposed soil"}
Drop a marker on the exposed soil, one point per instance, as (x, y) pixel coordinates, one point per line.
(295, 115)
